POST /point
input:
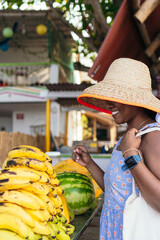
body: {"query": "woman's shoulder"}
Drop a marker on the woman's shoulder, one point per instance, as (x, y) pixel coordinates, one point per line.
(151, 136)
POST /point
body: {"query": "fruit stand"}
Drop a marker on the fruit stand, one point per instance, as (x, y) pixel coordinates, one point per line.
(39, 201)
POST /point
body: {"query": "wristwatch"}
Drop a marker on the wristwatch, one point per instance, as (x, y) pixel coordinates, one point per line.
(131, 162)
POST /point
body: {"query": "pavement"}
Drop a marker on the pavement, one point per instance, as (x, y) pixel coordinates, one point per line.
(92, 231)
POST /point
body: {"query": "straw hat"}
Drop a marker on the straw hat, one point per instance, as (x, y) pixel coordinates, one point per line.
(127, 81)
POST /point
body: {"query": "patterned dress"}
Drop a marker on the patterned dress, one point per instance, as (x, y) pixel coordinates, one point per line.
(118, 187)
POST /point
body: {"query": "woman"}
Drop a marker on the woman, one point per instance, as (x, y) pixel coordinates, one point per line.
(126, 93)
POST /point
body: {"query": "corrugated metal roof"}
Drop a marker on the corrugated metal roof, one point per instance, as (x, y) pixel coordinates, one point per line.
(66, 86)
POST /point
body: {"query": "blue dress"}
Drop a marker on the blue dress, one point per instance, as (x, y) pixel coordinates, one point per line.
(118, 187)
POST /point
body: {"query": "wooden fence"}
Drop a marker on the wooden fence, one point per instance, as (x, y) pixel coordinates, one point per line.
(14, 139)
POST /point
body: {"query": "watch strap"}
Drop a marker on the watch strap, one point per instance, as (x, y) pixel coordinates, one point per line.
(137, 158)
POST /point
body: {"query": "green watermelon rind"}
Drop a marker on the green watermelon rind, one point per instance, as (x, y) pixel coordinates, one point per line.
(74, 177)
(79, 206)
(78, 191)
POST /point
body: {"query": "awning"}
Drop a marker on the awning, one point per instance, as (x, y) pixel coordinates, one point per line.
(125, 40)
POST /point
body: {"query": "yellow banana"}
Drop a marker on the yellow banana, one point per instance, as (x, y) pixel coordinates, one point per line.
(39, 151)
(55, 182)
(69, 228)
(27, 151)
(49, 166)
(55, 220)
(37, 236)
(56, 191)
(14, 183)
(43, 176)
(15, 210)
(62, 225)
(54, 175)
(16, 225)
(25, 162)
(57, 201)
(41, 202)
(61, 218)
(60, 233)
(20, 198)
(38, 188)
(45, 237)
(39, 215)
(41, 228)
(53, 234)
(50, 204)
(18, 172)
(9, 235)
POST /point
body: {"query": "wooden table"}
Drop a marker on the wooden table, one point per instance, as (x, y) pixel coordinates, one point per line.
(82, 221)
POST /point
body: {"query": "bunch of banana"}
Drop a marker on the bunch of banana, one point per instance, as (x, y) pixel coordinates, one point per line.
(32, 202)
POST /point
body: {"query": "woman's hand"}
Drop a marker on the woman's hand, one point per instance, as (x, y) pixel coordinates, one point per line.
(130, 141)
(81, 156)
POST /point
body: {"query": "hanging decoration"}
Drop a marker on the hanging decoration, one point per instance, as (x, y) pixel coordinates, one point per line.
(41, 29)
(4, 47)
(8, 36)
(7, 32)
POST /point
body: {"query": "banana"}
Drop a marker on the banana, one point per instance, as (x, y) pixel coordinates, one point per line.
(25, 162)
(56, 201)
(16, 225)
(53, 234)
(54, 175)
(45, 237)
(42, 203)
(37, 236)
(55, 182)
(60, 233)
(38, 188)
(55, 220)
(69, 228)
(44, 177)
(29, 152)
(41, 228)
(61, 218)
(50, 204)
(56, 191)
(49, 166)
(13, 173)
(15, 210)
(39, 215)
(38, 151)
(14, 183)
(9, 235)
(20, 198)
(62, 225)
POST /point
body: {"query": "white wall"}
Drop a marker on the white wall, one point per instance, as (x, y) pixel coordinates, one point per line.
(34, 114)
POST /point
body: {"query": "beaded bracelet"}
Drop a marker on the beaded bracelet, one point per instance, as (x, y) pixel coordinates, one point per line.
(131, 150)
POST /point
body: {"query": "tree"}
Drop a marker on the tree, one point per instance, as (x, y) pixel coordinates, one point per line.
(90, 20)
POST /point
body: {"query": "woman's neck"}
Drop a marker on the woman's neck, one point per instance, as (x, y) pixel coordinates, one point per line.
(140, 122)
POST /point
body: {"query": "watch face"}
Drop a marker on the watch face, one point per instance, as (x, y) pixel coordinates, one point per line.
(130, 162)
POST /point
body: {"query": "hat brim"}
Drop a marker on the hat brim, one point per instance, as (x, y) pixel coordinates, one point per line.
(94, 97)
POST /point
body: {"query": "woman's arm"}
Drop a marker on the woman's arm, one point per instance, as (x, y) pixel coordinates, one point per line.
(81, 156)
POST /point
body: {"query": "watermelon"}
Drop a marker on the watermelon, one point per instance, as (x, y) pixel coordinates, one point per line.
(78, 191)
